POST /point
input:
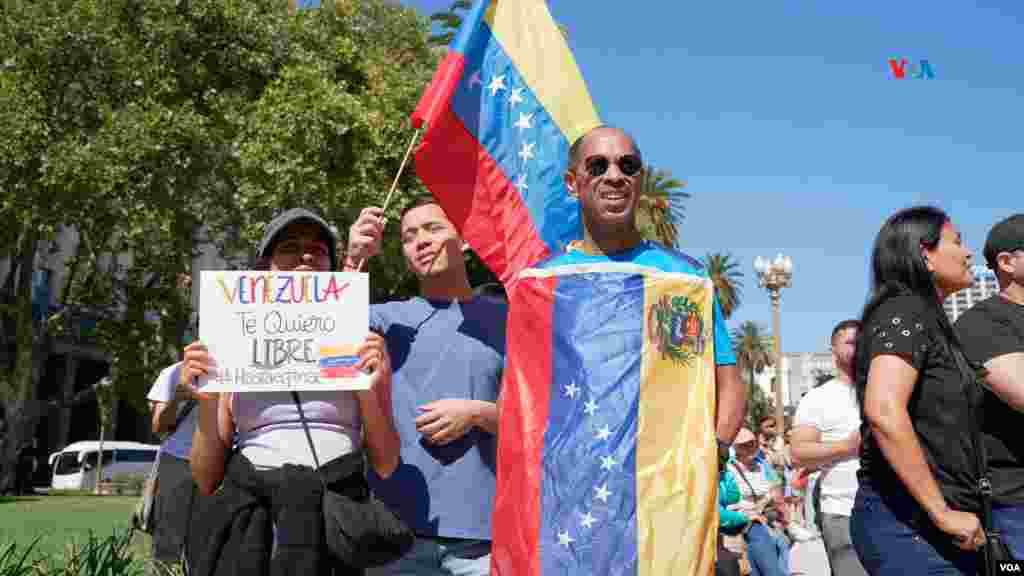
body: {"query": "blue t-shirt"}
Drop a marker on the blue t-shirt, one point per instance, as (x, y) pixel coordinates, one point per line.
(656, 256)
(442, 349)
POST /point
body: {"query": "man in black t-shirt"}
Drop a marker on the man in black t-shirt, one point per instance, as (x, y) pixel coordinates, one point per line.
(992, 333)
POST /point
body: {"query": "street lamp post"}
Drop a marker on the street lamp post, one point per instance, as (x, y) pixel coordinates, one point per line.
(774, 275)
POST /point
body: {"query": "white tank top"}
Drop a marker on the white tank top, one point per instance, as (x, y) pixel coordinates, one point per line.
(270, 431)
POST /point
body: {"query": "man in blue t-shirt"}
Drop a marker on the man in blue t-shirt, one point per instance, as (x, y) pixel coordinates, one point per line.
(447, 350)
(605, 171)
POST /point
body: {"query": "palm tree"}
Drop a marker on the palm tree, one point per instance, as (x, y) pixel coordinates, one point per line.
(728, 279)
(753, 348)
(661, 205)
(753, 354)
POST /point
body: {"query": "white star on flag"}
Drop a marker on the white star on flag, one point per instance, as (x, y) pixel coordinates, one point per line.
(564, 539)
(602, 493)
(588, 520)
(572, 390)
(521, 183)
(607, 463)
(524, 121)
(475, 79)
(497, 83)
(604, 433)
(590, 407)
(526, 152)
(516, 97)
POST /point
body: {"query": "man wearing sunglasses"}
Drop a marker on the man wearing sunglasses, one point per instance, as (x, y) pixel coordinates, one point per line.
(992, 333)
(604, 174)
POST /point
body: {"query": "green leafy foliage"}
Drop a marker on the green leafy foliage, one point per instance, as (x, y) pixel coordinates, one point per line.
(150, 128)
(727, 278)
(17, 560)
(449, 22)
(109, 556)
(659, 210)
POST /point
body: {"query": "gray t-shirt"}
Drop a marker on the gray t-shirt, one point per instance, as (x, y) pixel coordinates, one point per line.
(442, 349)
(178, 444)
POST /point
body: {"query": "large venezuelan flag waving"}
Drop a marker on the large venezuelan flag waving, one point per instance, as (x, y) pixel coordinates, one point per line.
(501, 112)
(607, 463)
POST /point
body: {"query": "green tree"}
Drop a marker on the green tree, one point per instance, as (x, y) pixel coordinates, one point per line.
(57, 88)
(147, 129)
(753, 354)
(727, 278)
(660, 209)
(449, 21)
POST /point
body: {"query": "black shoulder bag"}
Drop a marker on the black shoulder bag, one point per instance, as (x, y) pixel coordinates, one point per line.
(143, 517)
(359, 533)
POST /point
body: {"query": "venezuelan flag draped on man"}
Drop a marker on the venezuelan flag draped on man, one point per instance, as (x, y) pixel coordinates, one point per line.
(607, 462)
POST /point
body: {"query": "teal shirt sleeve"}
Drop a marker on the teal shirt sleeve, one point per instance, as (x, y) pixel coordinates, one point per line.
(728, 489)
(724, 354)
(729, 493)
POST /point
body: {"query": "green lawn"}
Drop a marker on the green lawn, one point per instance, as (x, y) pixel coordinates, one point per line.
(61, 519)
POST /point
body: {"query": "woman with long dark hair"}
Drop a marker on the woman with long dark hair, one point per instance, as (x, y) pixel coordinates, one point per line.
(917, 509)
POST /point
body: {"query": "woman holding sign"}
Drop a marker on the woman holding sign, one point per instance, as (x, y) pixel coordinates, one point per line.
(255, 450)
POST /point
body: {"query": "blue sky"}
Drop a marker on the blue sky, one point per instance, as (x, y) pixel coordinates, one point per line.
(784, 119)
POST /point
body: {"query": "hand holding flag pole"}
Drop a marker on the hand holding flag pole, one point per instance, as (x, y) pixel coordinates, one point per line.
(394, 184)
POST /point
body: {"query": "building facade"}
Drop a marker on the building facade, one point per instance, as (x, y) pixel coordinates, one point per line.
(800, 373)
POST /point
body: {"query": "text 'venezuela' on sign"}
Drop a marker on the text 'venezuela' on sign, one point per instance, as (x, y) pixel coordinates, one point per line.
(275, 331)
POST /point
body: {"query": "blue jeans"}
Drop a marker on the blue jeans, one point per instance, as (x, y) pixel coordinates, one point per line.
(432, 556)
(893, 535)
(1010, 521)
(767, 550)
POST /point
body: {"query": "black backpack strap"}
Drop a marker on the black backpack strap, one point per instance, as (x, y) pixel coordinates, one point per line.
(189, 405)
(309, 438)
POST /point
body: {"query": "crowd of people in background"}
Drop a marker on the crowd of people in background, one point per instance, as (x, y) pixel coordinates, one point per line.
(904, 461)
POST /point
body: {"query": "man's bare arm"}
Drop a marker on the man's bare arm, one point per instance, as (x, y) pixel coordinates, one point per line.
(732, 402)
(1006, 378)
(164, 415)
(809, 451)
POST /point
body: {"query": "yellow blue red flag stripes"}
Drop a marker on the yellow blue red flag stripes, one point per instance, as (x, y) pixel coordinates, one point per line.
(607, 462)
(501, 112)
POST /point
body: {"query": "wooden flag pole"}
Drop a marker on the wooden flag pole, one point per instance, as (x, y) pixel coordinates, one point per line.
(394, 185)
(401, 168)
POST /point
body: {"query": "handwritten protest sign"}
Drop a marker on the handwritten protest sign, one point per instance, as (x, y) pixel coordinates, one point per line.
(271, 331)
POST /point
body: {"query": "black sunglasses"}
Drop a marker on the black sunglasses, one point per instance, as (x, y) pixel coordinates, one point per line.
(629, 165)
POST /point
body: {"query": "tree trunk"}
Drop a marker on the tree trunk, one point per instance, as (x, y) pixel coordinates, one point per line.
(20, 388)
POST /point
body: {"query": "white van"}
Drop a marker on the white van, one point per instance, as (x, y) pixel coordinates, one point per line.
(74, 467)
